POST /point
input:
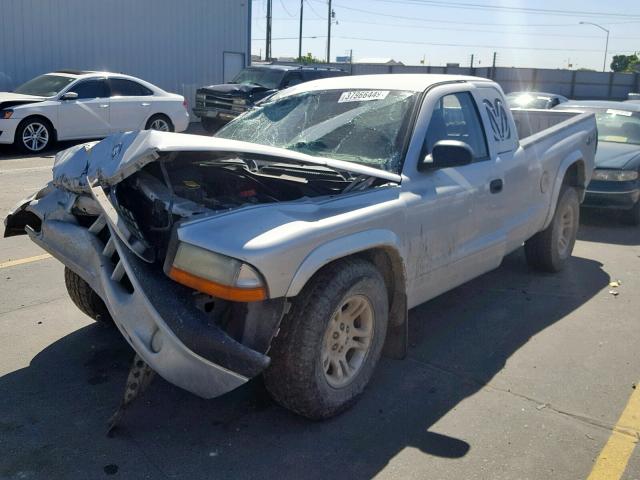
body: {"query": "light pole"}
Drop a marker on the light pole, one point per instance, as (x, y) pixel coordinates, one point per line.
(606, 45)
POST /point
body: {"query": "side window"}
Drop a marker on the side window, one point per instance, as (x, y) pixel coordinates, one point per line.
(455, 117)
(121, 87)
(91, 89)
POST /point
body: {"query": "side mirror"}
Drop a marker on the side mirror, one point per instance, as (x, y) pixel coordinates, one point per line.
(69, 96)
(448, 153)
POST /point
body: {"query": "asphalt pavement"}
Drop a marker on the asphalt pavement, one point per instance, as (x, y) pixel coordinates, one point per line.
(515, 375)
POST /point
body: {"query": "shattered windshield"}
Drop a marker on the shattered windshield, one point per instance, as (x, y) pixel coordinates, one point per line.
(361, 126)
(263, 77)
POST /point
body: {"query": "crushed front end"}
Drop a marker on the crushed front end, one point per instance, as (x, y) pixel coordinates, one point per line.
(109, 218)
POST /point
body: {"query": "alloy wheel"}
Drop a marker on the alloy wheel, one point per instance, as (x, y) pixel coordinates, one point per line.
(347, 340)
(35, 136)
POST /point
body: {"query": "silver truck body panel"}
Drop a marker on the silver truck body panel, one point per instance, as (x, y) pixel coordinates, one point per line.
(445, 225)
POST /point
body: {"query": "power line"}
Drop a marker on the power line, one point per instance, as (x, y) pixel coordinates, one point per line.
(286, 10)
(456, 22)
(529, 10)
(423, 27)
(502, 47)
(313, 10)
(386, 24)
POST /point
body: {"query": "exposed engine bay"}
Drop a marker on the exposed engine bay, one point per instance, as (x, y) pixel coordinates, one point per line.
(181, 185)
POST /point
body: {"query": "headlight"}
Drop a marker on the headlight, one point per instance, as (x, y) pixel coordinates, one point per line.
(216, 275)
(6, 114)
(615, 175)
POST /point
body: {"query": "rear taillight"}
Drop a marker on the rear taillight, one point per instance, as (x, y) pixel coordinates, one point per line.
(185, 104)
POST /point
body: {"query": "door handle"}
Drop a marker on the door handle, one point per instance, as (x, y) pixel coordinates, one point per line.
(104, 105)
(495, 186)
(145, 104)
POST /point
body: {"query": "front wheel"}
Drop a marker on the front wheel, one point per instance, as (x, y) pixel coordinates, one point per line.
(550, 249)
(34, 135)
(330, 341)
(85, 298)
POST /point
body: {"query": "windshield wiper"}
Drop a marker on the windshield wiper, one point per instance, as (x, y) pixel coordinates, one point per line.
(361, 182)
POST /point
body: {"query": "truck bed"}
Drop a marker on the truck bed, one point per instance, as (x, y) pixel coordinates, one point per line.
(534, 124)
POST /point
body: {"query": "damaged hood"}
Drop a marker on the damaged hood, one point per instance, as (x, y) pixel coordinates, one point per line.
(116, 157)
(9, 99)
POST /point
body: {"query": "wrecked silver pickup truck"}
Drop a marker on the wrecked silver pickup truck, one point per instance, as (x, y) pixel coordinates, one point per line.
(294, 242)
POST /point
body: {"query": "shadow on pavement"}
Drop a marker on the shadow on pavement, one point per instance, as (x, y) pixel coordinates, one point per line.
(53, 413)
(606, 226)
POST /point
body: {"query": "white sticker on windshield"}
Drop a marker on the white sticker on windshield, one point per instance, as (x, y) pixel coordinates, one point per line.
(363, 95)
(611, 111)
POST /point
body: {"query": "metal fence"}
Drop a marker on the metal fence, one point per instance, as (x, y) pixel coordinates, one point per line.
(575, 84)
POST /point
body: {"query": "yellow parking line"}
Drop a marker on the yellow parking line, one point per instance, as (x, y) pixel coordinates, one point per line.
(21, 261)
(615, 455)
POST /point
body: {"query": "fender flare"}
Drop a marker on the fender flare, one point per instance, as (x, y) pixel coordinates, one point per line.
(571, 159)
(340, 248)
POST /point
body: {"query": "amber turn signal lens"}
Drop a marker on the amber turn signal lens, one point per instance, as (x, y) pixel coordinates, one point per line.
(215, 289)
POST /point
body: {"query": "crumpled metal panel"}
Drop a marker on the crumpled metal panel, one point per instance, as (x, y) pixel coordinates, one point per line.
(119, 156)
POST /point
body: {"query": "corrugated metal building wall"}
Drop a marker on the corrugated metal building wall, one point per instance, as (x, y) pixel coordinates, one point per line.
(177, 45)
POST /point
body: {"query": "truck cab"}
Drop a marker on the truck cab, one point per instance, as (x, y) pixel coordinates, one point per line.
(218, 104)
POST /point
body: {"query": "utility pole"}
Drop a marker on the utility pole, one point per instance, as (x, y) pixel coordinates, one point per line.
(495, 54)
(300, 36)
(267, 53)
(471, 61)
(329, 18)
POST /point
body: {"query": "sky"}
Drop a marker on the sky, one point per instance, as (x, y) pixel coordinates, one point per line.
(541, 34)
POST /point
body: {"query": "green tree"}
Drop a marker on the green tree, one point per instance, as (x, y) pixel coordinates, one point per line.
(308, 58)
(625, 63)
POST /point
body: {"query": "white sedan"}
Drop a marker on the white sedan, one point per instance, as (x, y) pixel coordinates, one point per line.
(72, 105)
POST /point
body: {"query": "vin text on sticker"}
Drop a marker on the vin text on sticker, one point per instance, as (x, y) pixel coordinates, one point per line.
(363, 95)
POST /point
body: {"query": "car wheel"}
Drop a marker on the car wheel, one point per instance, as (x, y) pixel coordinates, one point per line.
(34, 135)
(550, 249)
(160, 123)
(632, 216)
(85, 298)
(330, 342)
(212, 125)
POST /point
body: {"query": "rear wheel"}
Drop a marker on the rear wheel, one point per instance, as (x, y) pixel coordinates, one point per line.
(85, 298)
(34, 135)
(160, 122)
(550, 249)
(330, 342)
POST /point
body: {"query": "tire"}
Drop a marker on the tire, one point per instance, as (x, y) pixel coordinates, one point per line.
(159, 122)
(632, 216)
(550, 249)
(212, 125)
(85, 298)
(304, 375)
(34, 135)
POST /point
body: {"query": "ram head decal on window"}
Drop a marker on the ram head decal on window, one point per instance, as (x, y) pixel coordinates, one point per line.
(498, 119)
